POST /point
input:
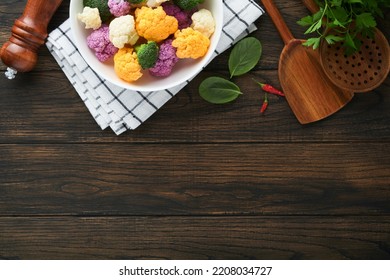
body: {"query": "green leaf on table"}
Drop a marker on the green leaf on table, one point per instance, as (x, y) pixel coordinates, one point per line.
(245, 56)
(217, 90)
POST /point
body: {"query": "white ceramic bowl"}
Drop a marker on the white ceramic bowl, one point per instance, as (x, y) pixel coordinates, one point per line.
(184, 70)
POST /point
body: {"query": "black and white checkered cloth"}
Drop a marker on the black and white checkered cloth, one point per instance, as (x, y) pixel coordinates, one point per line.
(122, 109)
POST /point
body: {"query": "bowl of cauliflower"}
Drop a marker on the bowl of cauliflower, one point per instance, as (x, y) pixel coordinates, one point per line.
(146, 45)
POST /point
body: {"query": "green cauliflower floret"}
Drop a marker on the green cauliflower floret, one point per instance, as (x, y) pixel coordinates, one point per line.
(136, 1)
(147, 54)
(187, 4)
(102, 6)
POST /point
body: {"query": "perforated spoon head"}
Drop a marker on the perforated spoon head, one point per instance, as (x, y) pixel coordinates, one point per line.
(362, 71)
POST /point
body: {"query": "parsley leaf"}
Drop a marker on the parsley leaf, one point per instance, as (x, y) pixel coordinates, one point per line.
(350, 18)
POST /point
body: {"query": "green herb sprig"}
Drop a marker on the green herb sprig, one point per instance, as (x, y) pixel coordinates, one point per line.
(349, 18)
(244, 57)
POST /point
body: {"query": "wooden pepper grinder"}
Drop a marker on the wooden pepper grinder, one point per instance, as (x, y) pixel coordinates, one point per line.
(28, 34)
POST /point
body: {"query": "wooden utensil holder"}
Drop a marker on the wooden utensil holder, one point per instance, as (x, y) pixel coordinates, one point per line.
(28, 34)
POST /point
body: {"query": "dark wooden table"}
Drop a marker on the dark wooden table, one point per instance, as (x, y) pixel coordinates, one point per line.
(196, 181)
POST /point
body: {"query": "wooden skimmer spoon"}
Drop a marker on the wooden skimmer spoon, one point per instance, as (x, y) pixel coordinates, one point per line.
(309, 92)
(361, 72)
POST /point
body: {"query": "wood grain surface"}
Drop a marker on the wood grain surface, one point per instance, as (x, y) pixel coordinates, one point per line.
(196, 181)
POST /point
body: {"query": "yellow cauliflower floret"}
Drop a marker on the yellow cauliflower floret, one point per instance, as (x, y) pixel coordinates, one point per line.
(154, 24)
(126, 65)
(90, 17)
(190, 43)
(203, 21)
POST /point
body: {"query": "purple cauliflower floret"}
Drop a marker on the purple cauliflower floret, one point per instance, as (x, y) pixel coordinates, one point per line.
(100, 43)
(119, 8)
(183, 17)
(166, 60)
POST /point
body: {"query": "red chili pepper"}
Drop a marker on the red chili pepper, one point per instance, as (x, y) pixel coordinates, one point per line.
(265, 104)
(270, 89)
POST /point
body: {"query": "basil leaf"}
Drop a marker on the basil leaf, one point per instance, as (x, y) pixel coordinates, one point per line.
(218, 90)
(244, 56)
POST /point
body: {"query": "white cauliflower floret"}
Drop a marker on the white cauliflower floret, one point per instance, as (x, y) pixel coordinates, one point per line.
(90, 17)
(155, 3)
(203, 21)
(122, 31)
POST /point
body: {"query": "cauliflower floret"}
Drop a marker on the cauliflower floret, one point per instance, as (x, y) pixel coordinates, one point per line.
(147, 54)
(122, 31)
(190, 43)
(99, 41)
(183, 17)
(167, 59)
(102, 6)
(119, 7)
(187, 4)
(203, 21)
(90, 17)
(137, 3)
(126, 65)
(154, 24)
(155, 3)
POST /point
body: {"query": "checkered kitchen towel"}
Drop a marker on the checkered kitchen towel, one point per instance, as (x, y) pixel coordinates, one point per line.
(122, 109)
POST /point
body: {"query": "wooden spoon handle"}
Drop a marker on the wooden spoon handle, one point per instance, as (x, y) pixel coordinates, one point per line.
(311, 5)
(277, 18)
(28, 34)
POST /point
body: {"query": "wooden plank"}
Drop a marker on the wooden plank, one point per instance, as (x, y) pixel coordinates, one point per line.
(272, 44)
(181, 179)
(58, 115)
(266, 32)
(197, 181)
(43, 107)
(195, 238)
(266, 35)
